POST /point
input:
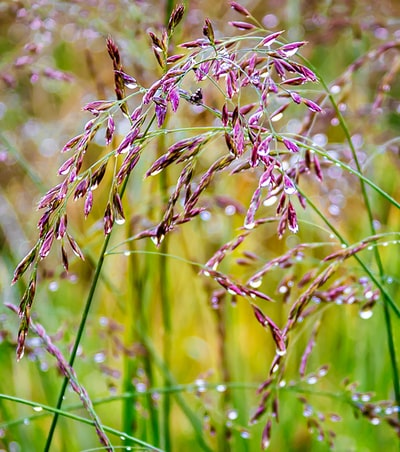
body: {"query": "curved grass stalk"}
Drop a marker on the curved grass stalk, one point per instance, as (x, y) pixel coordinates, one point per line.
(83, 420)
(387, 298)
(351, 170)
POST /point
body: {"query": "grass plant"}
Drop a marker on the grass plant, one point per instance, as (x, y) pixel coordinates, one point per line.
(215, 265)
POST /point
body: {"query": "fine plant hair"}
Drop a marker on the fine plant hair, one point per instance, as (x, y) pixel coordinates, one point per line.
(247, 88)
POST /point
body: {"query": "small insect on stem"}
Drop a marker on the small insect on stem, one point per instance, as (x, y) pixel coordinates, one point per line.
(196, 97)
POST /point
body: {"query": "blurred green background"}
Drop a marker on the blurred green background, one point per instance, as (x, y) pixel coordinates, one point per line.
(54, 61)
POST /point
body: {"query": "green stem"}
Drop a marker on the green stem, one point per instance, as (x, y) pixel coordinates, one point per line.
(378, 260)
(165, 301)
(130, 363)
(388, 300)
(77, 341)
(351, 170)
(225, 371)
(171, 384)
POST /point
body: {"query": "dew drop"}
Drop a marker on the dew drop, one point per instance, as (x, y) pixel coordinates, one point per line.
(131, 85)
(375, 421)
(140, 387)
(26, 421)
(154, 173)
(335, 418)
(334, 210)
(123, 438)
(245, 434)
(320, 139)
(157, 240)
(201, 385)
(277, 117)
(127, 253)
(366, 314)
(103, 321)
(312, 379)
(206, 273)
(255, 283)
(307, 412)
(290, 189)
(205, 215)
(322, 372)
(99, 357)
(370, 248)
(221, 388)
(120, 220)
(280, 352)
(282, 383)
(368, 294)
(270, 201)
(38, 409)
(265, 443)
(389, 280)
(283, 289)
(232, 415)
(53, 286)
(377, 224)
(230, 210)
(365, 397)
(335, 89)
(249, 226)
